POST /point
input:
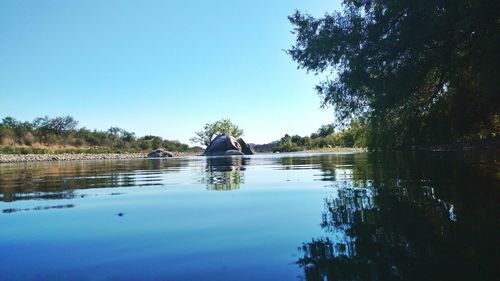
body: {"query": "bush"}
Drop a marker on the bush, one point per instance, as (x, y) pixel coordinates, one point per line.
(356, 135)
(7, 135)
(144, 145)
(92, 140)
(28, 138)
(78, 142)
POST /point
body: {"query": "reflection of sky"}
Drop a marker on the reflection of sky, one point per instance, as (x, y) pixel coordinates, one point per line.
(170, 223)
(167, 230)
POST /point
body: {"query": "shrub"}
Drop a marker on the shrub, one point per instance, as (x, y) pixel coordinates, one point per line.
(28, 138)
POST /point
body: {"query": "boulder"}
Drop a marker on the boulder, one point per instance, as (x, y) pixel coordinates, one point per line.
(160, 153)
(227, 145)
(221, 144)
(245, 147)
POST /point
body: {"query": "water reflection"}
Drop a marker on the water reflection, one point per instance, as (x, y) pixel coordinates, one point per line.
(38, 208)
(407, 217)
(324, 217)
(224, 173)
(52, 181)
(60, 180)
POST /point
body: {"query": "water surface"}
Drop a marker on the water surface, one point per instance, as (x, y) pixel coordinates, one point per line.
(360, 216)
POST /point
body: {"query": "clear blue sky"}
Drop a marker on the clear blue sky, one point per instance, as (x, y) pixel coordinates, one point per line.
(159, 67)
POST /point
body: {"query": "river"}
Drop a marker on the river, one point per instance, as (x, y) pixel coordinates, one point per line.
(324, 216)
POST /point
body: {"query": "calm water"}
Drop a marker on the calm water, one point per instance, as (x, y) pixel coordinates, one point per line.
(426, 216)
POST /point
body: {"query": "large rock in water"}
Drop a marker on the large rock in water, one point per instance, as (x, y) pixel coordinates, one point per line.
(221, 144)
(245, 147)
(228, 145)
(233, 152)
(160, 153)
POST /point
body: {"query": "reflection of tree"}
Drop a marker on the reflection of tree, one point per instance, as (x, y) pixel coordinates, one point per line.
(60, 180)
(407, 217)
(224, 173)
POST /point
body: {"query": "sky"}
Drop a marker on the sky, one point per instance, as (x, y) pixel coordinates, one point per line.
(159, 67)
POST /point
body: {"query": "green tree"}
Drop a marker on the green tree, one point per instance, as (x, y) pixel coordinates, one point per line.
(17, 130)
(325, 130)
(114, 131)
(211, 130)
(421, 71)
(289, 143)
(127, 136)
(56, 125)
(10, 122)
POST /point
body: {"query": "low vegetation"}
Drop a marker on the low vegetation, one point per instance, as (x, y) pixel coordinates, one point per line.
(326, 138)
(61, 135)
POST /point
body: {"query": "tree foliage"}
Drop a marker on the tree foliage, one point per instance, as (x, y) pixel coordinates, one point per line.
(423, 72)
(354, 135)
(57, 125)
(211, 130)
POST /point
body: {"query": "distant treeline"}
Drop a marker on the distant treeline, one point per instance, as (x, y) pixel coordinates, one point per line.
(326, 137)
(44, 132)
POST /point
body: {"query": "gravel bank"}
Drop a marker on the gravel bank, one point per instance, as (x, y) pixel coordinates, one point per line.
(16, 158)
(13, 158)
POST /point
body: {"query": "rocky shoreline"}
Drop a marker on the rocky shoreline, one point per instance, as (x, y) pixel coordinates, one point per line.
(20, 158)
(15, 158)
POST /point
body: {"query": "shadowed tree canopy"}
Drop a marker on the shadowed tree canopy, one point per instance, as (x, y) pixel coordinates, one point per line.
(423, 72)
(211, 130)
